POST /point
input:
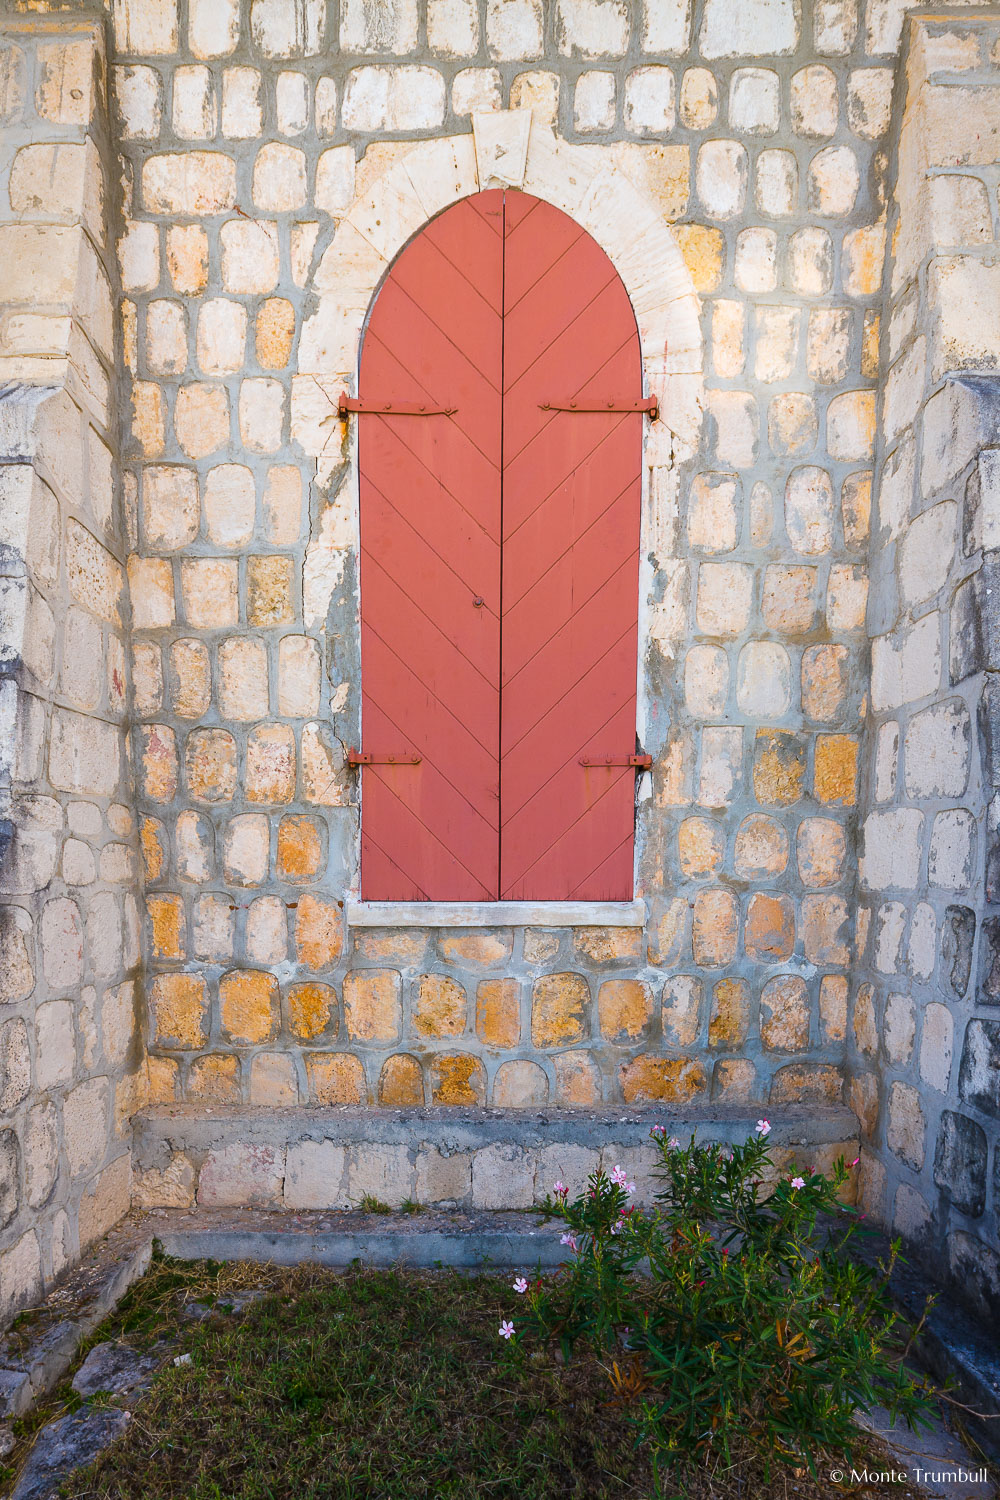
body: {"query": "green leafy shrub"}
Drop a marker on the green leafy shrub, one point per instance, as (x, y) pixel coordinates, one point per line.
(732, 1319)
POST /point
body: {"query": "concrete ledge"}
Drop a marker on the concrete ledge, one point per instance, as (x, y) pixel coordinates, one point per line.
(496, 913)
(34, 1358)
(463, 1241)
(454, 1158)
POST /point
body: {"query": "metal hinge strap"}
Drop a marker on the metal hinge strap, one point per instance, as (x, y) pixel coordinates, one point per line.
(641, 762)
(366, 758)
(346, 404)
(648, 404)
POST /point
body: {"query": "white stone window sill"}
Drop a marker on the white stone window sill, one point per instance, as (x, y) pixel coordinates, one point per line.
(496, 913)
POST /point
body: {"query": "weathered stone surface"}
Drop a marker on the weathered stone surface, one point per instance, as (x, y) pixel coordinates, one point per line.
(116, 1368)
(69, 1443)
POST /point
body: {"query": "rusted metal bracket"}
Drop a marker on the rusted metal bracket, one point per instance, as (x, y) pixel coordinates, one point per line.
(648, 404)
(346, 404)
(365, 758)
(641, 762)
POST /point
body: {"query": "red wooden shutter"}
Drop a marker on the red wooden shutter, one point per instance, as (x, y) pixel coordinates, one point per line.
(571, 504)
(430, 548)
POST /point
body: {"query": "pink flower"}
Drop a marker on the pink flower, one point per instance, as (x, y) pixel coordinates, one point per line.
(855, 1161)
(798, 1182)
(568, 1239)
(763, 1127)
(659, 1130)
(674, 1143)
(520, 1285)
(506, 1330)
(559, 1188)
(629, 1188)
(619, 1177)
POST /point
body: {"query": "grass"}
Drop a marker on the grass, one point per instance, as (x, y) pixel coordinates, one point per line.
(368, 1384)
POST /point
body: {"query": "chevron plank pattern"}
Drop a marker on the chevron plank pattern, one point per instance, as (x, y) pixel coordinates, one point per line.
(499, 563)
(571, 501)
(430, 547)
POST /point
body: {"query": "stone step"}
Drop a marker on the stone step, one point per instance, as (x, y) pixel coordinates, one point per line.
(445, 1157)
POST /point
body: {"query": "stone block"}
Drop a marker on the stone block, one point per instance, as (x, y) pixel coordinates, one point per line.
(729, 1018)
(242, 1175)
(906, 1127)
(560, 1006)
(401, 1081)
(336, 1078)
(315, 1175)
(319, 935)
(179, 1004)
(979, 1072)
(245, 850)
(936, 750)
(520, 1084)
(937, 1046)
(661, 1080)
(503, 1176)
(457, 1078)
(372, 1004)
(441, 1007)
(248, 1006)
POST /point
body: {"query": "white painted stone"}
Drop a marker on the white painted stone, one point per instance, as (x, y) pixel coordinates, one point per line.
(453, 27)
(242, 117)
(764, 680)
(754, 101)
(476, 89)
(501, 142)
(335, 180)
(503, 1176)
(900, 1028)
(666, 27)
(221, 342)
(242, 1175)
(594, 102)
(950, 859)
(194, 111)
(592, 28)
(649, 101)
(380, 1171)
(832, 182)
(213, 27)
(279, 177)
(292, 102)
(835, 25)
(936, 751)
(755, 267)
(749, 28)
(325, 107)
(514, 29)
(385, 26)
(139, 257)
(926, 552)
(936, 1045)
(721, 173)
(777, 183)
(288, 28)
(889, 927)
(886, 758)
(404, 98)
(86, 1125)
(891, 858)
(922, 947)
(139, 96)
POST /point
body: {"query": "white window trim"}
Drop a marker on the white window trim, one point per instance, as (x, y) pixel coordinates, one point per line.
(496, 913)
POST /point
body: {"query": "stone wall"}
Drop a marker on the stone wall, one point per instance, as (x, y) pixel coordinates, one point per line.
(271, 157)
(258, 141)
(924, 1041)
(71, 1062)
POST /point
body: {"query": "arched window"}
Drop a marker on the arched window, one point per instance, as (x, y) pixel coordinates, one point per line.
(500, 454)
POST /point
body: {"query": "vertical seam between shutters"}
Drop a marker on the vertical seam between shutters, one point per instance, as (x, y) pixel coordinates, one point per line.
(503, 403)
